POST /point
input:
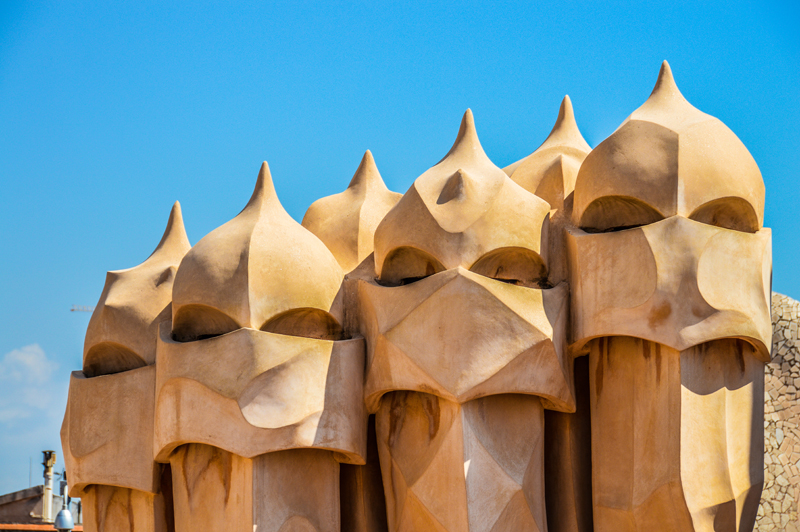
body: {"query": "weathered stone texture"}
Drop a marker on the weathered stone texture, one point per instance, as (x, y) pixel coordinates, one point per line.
(781, 495)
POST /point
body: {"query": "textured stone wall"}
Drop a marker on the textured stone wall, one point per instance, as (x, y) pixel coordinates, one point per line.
(779, 502)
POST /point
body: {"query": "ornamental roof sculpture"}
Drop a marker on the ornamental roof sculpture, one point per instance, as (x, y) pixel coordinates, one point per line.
(551, 170)
(256, 338)
(670, 277)
(111, 402)
(346, 222)
(121, 331)
(573, 343)
(253, 269)
(466, 238)
(692, 199)
(668, 158)
(463, 209)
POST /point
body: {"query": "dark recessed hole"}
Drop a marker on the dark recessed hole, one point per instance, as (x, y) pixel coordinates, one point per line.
(407, 265)
(199, 322)
(107, 358)
(513, 265)
(305, 322)
(729, 213)
(617, 213)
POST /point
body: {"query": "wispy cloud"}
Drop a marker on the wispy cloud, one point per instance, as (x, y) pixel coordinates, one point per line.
(33, 395)
(28, 364)
(25, 375)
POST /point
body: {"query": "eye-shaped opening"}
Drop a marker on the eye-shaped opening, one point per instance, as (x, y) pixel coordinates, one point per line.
(617, 213)
(107, 358)
(730, 213)
(519, 266)
(305, 322)
(406, 265)
(199, 322)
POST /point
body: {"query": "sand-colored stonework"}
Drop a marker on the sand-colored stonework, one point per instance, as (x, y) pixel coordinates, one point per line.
(781, 495)
(573, 343)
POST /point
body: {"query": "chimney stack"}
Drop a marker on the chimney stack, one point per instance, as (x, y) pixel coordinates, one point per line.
(47, 501)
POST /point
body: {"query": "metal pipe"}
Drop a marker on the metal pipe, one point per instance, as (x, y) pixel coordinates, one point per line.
(64, 521)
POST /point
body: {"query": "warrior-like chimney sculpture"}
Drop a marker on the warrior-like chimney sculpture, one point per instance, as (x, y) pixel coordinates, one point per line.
(573, 343)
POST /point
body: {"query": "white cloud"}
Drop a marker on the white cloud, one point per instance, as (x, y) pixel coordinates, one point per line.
(27, 364)
(33, 395)
(26, 376)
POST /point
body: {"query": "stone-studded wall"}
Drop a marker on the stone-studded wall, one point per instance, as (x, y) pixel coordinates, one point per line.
(779, 502)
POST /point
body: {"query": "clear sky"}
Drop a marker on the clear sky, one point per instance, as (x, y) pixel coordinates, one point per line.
(111, 111)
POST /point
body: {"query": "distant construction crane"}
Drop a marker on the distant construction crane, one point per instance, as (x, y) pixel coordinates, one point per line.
(81, 308)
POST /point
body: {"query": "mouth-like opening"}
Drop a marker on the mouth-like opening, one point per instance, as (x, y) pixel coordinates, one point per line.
(731, 213)
(406, 265)
(513, 265)
(199, 322)
(107, 358)
(306, 323)
(617, 213)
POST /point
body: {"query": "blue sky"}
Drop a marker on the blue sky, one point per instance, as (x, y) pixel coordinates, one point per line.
(111, 111)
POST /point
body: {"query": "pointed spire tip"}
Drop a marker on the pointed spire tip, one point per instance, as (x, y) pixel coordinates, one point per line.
(665, 73)
(467, 129)
(263, 172)
(265, 176)
(174, 238)
(366, 173)
(174, 223)
(468, 120)
(264, 180)
(467, 139)
(666, 81)
(565, 131)
(264, 189)
(565, 112)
